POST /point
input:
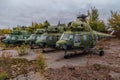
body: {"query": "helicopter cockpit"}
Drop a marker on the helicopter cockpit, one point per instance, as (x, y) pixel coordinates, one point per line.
(80, 24)
(66, 37)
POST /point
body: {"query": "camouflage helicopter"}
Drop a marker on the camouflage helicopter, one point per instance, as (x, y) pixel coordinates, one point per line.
(16, 37)
(50, 37)
(80, 37)
(32, 39)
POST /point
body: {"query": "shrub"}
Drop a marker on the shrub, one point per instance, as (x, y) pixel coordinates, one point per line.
(23, 50)
(2, 44)
(41, 63)
(3, 75)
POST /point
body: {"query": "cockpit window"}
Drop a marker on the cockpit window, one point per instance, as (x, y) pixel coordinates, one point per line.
(8, 37)
(38, 37)
(20, 37)
(91, 38)
(43, 37)
(77, 38)
(85, 37)
(67, 37)
(13, 37)
(50, 38)
(32, 37)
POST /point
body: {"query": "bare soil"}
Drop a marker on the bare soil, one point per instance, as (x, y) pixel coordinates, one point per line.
(83, 67)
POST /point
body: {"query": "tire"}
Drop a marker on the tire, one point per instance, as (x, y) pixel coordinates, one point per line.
(101, 53)
(65, 47)
(42, 45)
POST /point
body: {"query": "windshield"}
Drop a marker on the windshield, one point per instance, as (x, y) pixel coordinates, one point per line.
(67, 36)
(43, 37)
(8, 37)
(32, 37)
(38, 37)
(13, 37)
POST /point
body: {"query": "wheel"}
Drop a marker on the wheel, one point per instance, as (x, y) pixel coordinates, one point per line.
(43, 51)
(43, 46)
(32, 45)
(101, 53)
(66, 57)
(65, 47)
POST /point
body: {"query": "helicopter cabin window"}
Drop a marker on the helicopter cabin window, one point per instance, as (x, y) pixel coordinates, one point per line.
(85, 37)
(56, 37)
(67, 37)
(90, 36)
(50, 38)
(77, 38)
(25, 37)
(8, 37)
(13, 37)
(20, 37)
(43, 37)
(38, 37)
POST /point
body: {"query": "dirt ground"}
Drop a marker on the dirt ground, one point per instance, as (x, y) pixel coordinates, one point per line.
(82, 67)
(111, 57)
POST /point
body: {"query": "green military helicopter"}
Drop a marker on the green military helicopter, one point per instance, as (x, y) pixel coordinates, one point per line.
(80, 37)
(17, 37)
(50, 37)
(32, 39)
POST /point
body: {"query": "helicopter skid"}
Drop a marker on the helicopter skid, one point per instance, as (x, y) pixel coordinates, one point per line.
(48, 50)
(72, 53)
(34, 46)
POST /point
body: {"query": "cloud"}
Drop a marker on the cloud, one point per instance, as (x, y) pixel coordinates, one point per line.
(23, 12)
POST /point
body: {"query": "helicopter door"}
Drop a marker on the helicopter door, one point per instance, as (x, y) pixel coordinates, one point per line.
(77, 40)
(91, 40)
(85, 39)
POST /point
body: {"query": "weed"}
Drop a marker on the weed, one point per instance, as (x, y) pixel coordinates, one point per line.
(41, 63)
(23, 50)
(2, 44)
(3, 75)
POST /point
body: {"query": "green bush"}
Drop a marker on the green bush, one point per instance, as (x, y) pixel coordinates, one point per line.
(98, 26)
(2, 44)
(41, 63)
(3, 75)
(94, 21)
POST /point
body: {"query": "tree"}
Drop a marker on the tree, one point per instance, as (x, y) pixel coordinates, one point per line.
(5, 31)
(94, 21)
(46, 24)
(93, 14)
(114, 20)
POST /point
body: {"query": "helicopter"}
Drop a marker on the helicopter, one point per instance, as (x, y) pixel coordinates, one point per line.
(17, 37)
(80, 37)
(33, 37)
(50, 37)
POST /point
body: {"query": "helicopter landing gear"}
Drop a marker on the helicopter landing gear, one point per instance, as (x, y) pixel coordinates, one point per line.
(43, 47)
(76, 52)
(32, 45)
(98, 51)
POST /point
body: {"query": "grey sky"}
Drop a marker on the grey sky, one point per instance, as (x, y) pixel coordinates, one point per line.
(23, 12)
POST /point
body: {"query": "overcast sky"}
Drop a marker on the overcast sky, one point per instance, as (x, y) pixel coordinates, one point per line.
(23, 12)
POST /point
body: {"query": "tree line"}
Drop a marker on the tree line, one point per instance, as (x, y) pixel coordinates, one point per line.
(94, 21)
